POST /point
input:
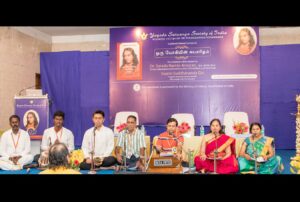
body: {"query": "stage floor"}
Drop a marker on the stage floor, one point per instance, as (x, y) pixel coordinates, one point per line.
(286, 159)
(285, 155)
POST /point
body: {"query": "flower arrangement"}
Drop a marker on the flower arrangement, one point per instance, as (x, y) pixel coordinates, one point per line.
(295, 165)
(184, 127)
(240, 128)
(122, 127)
(76, 158)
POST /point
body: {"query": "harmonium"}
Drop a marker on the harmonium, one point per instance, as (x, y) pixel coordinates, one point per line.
(164, 163)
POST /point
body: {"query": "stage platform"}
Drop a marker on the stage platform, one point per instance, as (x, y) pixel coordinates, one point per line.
(285, 155)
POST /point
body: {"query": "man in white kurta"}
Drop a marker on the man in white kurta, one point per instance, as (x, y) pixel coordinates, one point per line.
(100, 140)
(15, 147)
(55, 134)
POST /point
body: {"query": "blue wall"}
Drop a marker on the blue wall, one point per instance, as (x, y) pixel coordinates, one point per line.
(87, 89)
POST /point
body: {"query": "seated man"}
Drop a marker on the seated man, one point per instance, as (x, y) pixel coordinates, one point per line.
(260, 148)
(98, 142)
(55, 134)
(133, 140)
(15, 147)
(170, 141)
(59, 160)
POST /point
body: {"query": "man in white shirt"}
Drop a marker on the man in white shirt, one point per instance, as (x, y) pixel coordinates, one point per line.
(15, 147)
(98, 140)
(55, 134)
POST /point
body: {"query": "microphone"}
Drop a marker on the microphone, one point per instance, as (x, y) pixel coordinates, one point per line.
(20, 92)
(172, 134)
(50, 141)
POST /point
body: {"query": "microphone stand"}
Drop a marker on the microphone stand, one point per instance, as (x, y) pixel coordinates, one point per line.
(215, 155)
(145, 154)
(92, 170)
(255, 157)
(145, 159)
(124, 151)
(190, 159)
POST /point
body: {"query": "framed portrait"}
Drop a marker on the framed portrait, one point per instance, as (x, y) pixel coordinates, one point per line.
(31, 121)
(129, 61)
(244, 40)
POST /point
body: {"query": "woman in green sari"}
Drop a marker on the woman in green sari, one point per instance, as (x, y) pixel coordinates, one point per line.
(258, 147)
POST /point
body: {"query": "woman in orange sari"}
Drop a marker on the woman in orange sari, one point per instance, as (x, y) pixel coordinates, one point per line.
(225, 146)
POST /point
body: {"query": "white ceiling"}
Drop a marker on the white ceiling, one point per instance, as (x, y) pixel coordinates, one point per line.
(65, 31)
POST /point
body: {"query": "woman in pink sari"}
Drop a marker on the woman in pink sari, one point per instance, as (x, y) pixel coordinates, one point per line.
(225, 146)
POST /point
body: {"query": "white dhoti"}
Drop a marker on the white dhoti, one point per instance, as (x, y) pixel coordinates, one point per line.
(6, 164)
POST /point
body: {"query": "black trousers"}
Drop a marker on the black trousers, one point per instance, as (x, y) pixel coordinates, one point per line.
(131, 162)
(36, 158)
(107, 162)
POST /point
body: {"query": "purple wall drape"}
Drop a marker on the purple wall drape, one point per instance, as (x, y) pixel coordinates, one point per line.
(77, 83)
(94, 80)
(280, 82)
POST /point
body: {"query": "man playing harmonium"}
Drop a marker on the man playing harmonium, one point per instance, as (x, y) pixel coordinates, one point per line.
(132, 140)
(171, 141)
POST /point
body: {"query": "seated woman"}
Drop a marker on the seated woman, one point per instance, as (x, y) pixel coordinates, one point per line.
(225, 146)
(259, 147)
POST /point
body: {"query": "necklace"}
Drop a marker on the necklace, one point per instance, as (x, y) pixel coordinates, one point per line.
(15, 143)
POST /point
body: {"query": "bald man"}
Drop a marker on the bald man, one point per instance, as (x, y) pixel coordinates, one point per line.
(59, 160)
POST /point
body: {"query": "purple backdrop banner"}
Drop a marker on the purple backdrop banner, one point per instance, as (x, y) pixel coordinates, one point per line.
(280, 76)
(207, 71)
(34, 113)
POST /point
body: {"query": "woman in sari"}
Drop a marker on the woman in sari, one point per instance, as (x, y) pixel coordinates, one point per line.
(225, 146)
(259, 147)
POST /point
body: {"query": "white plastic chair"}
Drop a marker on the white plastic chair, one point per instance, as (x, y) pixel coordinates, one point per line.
(231, 117)
(188, 118)
(121, 117)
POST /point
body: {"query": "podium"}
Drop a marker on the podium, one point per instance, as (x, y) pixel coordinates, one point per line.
(164, 165)
(37, 107)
